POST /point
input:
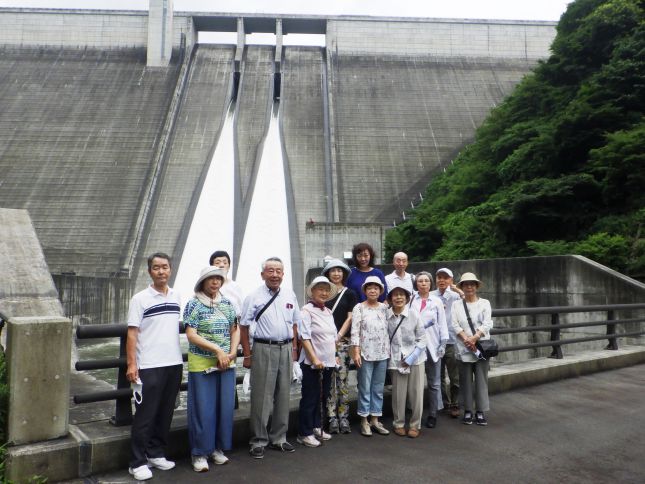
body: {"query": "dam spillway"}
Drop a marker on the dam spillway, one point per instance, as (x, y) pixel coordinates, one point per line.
(109, 156)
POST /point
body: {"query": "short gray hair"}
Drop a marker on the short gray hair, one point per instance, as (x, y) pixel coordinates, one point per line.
(271, 259)
(425, 273)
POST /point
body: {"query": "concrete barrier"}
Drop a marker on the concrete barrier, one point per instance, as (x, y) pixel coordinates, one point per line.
(39, 338)
(38, 363)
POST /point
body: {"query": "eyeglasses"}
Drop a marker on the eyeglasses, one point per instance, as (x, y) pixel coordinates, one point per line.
(273, 271)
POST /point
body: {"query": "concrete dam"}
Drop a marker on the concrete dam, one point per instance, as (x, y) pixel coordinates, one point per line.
(109, 121)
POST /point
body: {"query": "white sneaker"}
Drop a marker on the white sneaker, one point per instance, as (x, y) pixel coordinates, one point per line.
(199, 463)
(141, 473)
(321, 434)
(161, 463)
(308, 441)
(218, 457)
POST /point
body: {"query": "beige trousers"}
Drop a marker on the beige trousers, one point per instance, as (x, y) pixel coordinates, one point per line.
(408, 389)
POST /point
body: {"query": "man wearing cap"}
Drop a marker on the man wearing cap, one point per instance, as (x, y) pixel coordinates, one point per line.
(154, 361)
(398, 277)
(449, 293)
(275, 312)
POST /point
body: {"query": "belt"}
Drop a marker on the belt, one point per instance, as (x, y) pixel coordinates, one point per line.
(279, 342)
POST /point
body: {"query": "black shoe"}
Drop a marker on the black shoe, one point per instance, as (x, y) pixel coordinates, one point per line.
(283, 447)
(431, 422)
(480, 419)
(257, 452)
(468, 418)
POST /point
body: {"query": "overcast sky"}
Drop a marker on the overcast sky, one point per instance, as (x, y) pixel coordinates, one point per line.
(484, 9)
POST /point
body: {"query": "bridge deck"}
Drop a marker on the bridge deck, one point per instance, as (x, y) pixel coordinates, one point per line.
(582, 430)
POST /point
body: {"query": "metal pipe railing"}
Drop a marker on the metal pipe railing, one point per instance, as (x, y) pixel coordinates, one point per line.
(122, 394)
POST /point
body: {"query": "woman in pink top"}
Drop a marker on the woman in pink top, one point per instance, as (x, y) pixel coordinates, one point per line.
(318, 360)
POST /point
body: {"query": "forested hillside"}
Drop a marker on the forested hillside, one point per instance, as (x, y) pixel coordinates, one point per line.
(559, 167)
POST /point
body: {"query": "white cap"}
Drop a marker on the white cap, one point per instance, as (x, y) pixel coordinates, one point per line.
(446, 271)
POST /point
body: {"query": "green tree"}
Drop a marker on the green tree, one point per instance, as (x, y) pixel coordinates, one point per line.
(560, 164)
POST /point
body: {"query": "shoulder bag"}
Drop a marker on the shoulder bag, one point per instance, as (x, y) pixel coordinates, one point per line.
(338, 300)
(257, 316)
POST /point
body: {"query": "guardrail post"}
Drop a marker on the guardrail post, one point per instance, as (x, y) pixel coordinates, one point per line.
(123, 410)
(611, 331)
(555, 336)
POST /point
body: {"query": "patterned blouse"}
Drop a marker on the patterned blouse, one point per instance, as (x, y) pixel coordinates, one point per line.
(212, 323)
(369, 331)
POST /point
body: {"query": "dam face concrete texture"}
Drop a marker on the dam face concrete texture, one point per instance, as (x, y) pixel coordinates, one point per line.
(365, 122)
(77, 130)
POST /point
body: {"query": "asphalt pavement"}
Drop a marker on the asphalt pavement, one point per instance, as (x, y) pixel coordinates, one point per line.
(589, 429)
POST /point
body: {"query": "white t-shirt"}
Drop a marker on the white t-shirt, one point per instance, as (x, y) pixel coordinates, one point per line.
(393, 280)
(157, 317)
(232, 291)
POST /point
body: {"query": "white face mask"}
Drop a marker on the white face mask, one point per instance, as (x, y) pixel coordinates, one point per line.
(137, 391)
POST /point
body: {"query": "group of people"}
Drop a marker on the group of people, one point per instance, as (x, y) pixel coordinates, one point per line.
(352, 315)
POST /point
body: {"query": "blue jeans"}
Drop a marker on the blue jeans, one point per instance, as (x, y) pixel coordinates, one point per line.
(211, 402)
(371, 378)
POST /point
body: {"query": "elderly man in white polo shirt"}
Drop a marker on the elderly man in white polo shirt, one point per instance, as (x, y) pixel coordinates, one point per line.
(154, 361)
(398, 277)
(276, 315)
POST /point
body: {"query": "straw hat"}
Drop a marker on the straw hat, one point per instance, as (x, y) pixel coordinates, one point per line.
(333, 290)
(469, 277)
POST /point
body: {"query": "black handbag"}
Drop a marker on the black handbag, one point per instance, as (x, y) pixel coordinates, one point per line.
(487, 347)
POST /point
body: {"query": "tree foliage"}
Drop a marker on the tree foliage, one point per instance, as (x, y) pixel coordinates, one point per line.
(559, 166)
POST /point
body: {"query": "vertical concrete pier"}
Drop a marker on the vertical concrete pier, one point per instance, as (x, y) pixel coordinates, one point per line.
(159, 33)
(39, 338)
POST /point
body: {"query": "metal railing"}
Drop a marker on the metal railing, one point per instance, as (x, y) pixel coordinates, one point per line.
(122, 394)
(556, 341)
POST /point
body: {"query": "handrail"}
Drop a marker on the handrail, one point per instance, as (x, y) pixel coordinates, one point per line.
(122, 394)
(566, 309)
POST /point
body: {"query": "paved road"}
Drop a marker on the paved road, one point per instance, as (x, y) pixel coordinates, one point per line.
(589, 429)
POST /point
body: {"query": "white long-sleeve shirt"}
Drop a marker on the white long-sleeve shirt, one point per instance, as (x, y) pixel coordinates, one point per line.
(434, 321)
(480, 314)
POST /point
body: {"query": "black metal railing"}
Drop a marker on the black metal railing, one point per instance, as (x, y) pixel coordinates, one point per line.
(555, 341)
(123, 394)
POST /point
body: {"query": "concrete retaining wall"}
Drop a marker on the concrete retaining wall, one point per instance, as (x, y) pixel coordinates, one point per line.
(39, 338)
(26, 288)
(94, 300)
(572, 280)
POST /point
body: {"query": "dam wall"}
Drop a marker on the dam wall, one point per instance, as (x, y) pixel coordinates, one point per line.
(98, 29)
(441, 38)
(77, 135)
(365, 124)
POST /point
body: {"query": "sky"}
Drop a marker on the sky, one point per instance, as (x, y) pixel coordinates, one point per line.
(480, 9)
